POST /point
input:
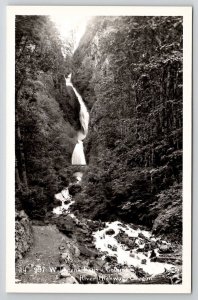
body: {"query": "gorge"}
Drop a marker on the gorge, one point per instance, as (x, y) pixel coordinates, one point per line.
(99, 152)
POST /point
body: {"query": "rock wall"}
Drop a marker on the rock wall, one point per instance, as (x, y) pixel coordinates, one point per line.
(23, 234)
(129, 72)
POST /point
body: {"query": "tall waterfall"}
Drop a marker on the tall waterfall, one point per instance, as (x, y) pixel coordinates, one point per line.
(78, 156)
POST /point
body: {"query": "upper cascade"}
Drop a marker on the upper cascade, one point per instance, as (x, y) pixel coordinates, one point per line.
(83, 114)
(78, 156)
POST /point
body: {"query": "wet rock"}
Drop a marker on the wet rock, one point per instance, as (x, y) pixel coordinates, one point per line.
(141, 273)
(153, 259)
(110, 232)
(143, 261)
(114, 248)
(147, 247)
(153, 254)
(67, 201)
(153, 245)
(140, 235)
(57, 202)
(110, 259)
(132, 254)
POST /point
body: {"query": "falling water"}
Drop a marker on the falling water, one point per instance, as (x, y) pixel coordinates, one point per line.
(78, 156)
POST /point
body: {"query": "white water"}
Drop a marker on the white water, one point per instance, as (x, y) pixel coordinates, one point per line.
(105, 242)
(66, 202)
(78, 156)
(109, 245)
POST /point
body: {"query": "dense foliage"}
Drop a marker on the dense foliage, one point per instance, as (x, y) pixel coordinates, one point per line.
(129, 72)
(44, 115)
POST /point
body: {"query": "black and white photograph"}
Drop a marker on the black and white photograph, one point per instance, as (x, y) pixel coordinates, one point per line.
(99, 149)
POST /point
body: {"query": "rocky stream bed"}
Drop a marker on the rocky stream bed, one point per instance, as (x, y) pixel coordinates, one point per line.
(71, 249)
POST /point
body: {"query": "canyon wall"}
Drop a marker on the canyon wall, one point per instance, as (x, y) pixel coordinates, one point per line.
(129, 73)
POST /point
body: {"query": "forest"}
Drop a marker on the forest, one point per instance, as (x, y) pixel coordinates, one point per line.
(129, 72)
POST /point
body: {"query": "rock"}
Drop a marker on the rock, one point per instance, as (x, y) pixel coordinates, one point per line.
(140, 273)
(143, 261)
(132, 254)
(67, 201)
(153, 259)
(114, 248)
(132, 242)
(140, 235)
(147, 247)
(57, 202)
(87, 252)
(110, 259)
(165, 248)
(64, 273)
(153, 244)
(110, 232)
(23, 234)
(153, 254)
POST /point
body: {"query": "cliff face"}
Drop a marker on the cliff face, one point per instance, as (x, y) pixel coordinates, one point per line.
(129, 72)
(23, 234)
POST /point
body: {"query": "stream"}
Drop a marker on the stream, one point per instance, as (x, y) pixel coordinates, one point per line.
(128, 244)
(137, 248)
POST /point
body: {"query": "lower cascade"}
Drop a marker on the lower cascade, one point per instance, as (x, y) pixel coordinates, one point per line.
(78, 156)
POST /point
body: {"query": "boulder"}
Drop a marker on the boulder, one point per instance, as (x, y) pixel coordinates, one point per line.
(110, 232)
(165, 248)
(153, 254)
(143, 261)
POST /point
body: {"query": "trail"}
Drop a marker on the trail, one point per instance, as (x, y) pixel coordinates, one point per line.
(39, 264)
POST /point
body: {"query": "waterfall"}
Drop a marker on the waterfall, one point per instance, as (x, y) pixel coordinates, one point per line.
(78, 156)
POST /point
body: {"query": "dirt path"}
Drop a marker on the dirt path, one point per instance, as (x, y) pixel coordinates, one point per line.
(39, 264)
